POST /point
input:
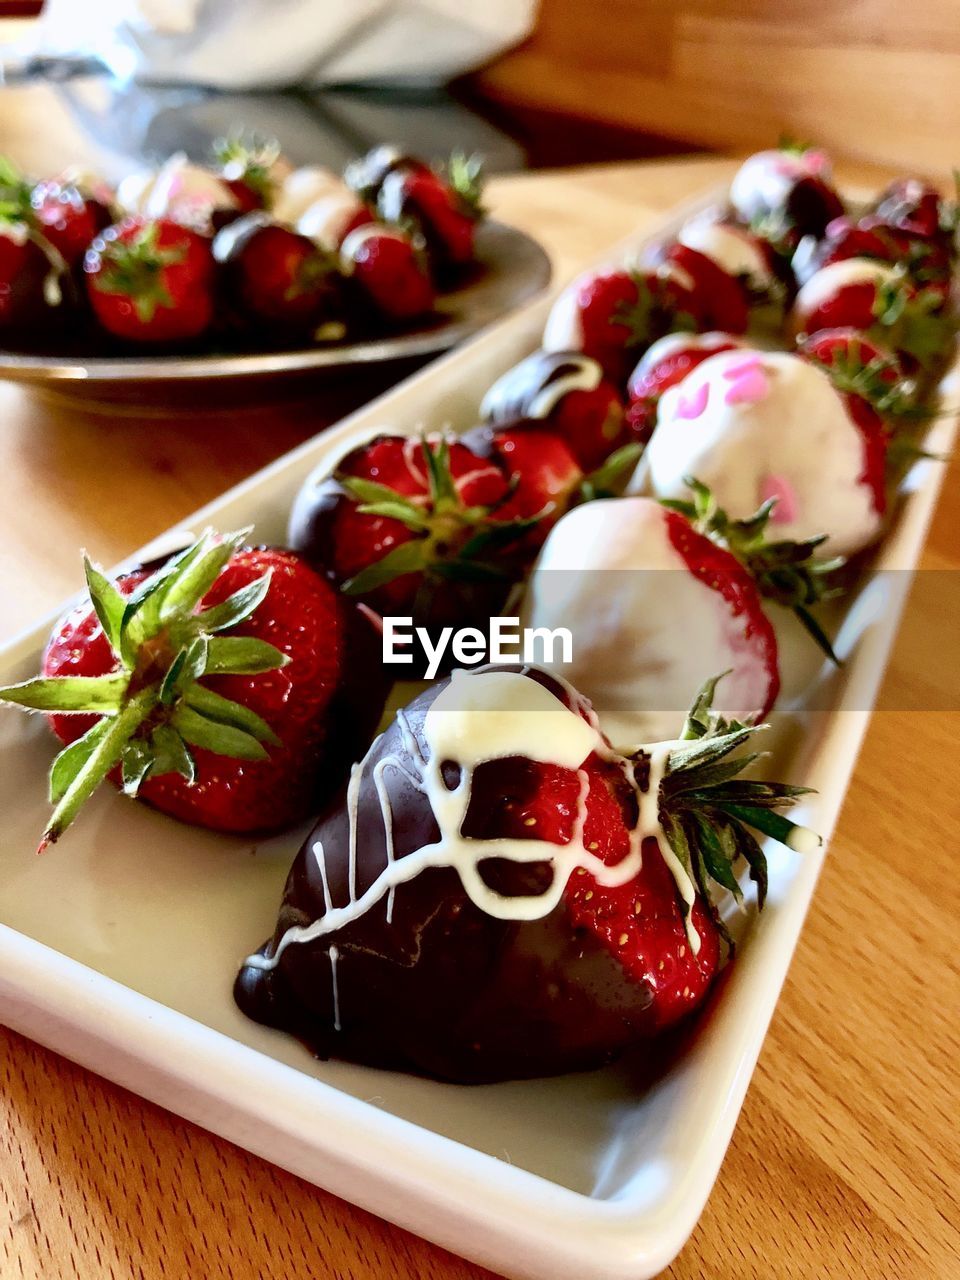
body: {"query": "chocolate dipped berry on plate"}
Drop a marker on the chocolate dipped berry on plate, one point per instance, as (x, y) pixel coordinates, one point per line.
(499, 893)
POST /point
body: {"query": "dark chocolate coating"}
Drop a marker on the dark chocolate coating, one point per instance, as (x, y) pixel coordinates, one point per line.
(444, 990)
(510, 398)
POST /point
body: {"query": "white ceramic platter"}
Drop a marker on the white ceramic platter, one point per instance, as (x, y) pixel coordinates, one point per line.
(119, 948)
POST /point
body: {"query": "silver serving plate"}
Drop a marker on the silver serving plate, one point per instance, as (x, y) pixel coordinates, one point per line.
(515, 268)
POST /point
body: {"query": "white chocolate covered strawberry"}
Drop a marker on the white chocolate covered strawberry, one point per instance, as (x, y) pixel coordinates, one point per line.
(754, 425)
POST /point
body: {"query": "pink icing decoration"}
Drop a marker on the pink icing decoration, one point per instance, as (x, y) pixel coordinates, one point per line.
(816, 161)
(693, 405)
(752, 385)
(746, 365)
(779, 487)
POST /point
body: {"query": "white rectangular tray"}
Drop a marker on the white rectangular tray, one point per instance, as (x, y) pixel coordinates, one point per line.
(119, 948)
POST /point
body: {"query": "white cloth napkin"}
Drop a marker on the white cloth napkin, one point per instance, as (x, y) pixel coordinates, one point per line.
(238, 44)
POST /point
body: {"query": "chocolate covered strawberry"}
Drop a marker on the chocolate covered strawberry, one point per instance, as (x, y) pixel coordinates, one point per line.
(68, 218)
(332, 218)
(389, 272)
(714, 298)
(179, 191)
(755, 425)
(567, 393)
(276, 275)
(612, 314)
(33, 273)
(216, 688)
(662, 366)
(914, 206)
(629, 577)
(443, 208)
(786, 194)
(151, 281)
(416, 527)
(366, 174)
(862, 293)
(503, 894)
(741, 254)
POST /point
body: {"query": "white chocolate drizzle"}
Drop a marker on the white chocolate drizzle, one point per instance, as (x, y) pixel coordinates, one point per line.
(482, 715)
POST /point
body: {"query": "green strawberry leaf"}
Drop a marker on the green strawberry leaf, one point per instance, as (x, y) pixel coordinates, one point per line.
(242, 655)
(98, 762)
(99, 695)
(227, 712)
(608, 479)
(707, 812)
(171, 754)
(408, 557)
(443, 491)
(238, 606)
(136, 763)
(195, 578)
(108, 604)
(212, 735)
(72, 759)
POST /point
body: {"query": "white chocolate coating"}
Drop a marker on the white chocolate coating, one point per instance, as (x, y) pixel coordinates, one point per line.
(564, 328)
(764, 180)
(646, 632)
(777, 427)
(304, 187)
(179, 190)
(733, 249)
(326, 220)
(828, 281)
(671, 343)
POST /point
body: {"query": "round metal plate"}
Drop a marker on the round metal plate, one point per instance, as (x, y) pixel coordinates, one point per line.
(515, 269)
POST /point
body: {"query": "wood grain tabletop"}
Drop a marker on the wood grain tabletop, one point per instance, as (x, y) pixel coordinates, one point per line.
(845, 1161)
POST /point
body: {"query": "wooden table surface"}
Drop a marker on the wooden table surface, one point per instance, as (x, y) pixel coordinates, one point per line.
(845, 1160)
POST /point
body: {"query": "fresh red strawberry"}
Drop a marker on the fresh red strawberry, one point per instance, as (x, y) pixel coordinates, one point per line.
(567, 392)
(915, 206)
(224, 686)
(68, 219)
(860, 293)
(552, 924)
(444, 209)
(389, 271)
(277, 275)
(151, 281)
(715, 299)
(610, 314)
(413, 527)
(786, 194)
(664, 365)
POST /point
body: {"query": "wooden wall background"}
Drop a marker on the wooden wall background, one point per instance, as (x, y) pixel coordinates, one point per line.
(874, 79)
